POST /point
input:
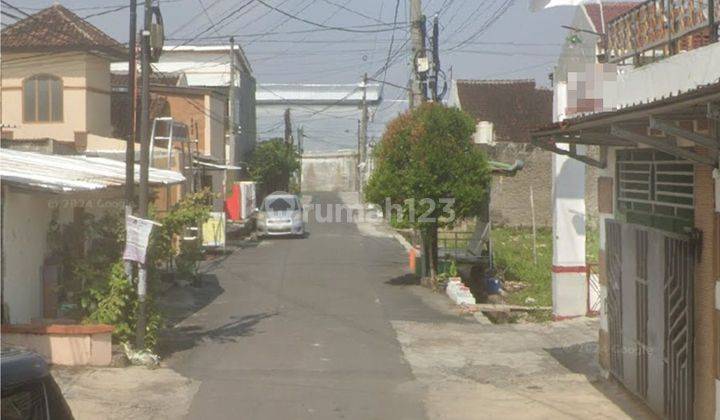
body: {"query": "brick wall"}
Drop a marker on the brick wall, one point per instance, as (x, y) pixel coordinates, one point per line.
(511, 195)
(704, 294)
(189, 109)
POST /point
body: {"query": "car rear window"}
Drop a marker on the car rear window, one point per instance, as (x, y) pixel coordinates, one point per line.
(280, 204)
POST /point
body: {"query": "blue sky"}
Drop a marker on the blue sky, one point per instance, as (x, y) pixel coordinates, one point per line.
(518, 44)
(478, 40)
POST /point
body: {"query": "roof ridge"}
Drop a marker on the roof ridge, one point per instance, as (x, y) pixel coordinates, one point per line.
(57, 27)
(497, 81)
(61, 10)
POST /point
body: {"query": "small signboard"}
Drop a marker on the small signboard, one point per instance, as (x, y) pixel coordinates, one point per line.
(137, 237)
(213, 231)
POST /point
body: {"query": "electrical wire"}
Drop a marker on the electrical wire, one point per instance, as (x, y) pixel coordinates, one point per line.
(231, 14)
(355, 12)
(284, 52)
(105, 12)
(485, 26)
(392, 41)
(190, 21)
(321, 25)
(10, 15)
(209, 18)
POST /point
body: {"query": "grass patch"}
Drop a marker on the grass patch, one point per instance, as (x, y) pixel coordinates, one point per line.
(513, 252)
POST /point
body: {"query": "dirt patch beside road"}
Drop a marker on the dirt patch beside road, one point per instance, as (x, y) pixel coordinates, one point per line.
(530, 371)
(126, 393)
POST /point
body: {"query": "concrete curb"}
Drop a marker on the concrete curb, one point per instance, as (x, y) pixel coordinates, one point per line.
(404, 242)
(481, 318)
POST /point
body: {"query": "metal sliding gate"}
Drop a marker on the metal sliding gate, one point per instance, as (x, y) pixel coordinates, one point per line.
(650, 315)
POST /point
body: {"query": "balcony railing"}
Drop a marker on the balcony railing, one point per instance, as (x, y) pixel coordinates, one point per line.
(658, 28)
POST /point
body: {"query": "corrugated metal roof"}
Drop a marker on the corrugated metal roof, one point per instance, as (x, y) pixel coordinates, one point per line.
(63, 173)
(695, 97)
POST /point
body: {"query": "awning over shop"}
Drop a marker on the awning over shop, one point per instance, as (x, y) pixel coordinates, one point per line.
(70, 173)
(630, 127)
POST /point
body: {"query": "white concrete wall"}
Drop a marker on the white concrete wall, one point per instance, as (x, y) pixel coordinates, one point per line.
(329, 171)
(569, 285)
(26, 218)
(679, 73)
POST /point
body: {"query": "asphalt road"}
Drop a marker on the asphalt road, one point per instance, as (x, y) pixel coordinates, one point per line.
(300, 328)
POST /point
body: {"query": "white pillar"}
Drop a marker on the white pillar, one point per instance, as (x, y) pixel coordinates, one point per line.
(569, 285)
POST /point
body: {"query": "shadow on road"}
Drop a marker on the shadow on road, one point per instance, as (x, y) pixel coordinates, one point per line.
(404, 280)
(178, 303)
(186, 337)
(582, 359)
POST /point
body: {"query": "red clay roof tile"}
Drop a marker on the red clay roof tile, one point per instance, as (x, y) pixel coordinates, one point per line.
(611, 11)
(56, 29)
(515, 107)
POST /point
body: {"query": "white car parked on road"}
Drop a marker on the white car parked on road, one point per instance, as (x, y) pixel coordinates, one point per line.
(280, 214)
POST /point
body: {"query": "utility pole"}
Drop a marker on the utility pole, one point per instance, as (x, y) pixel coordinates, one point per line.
(418, 93)
(230, 149)
(288, 127)
(132, 122)
(357, 167)
(231, 108)
(300, 136)
(712, 20)
(130, 147)
(417, 31)
(144, 167)
(363, 134)
(435, 59)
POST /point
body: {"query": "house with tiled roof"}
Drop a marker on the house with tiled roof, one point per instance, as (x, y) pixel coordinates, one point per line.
(510, 110)
(56, 120)
(56, 79)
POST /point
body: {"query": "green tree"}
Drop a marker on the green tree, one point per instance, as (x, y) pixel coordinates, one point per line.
(272, 165)
(427, 164)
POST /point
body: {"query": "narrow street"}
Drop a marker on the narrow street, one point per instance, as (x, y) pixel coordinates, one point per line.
(330, 326)
(301, 328)
(489, 223)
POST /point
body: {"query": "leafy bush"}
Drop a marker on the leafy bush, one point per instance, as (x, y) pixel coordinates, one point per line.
(425, 159)
(272, 165)
(110, 299)
(192, 210)
(399, 222)
(104, 236)
(96, 281)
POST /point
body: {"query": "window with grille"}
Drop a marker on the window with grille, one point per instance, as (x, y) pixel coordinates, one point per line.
(655, 189)
(42, 99)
